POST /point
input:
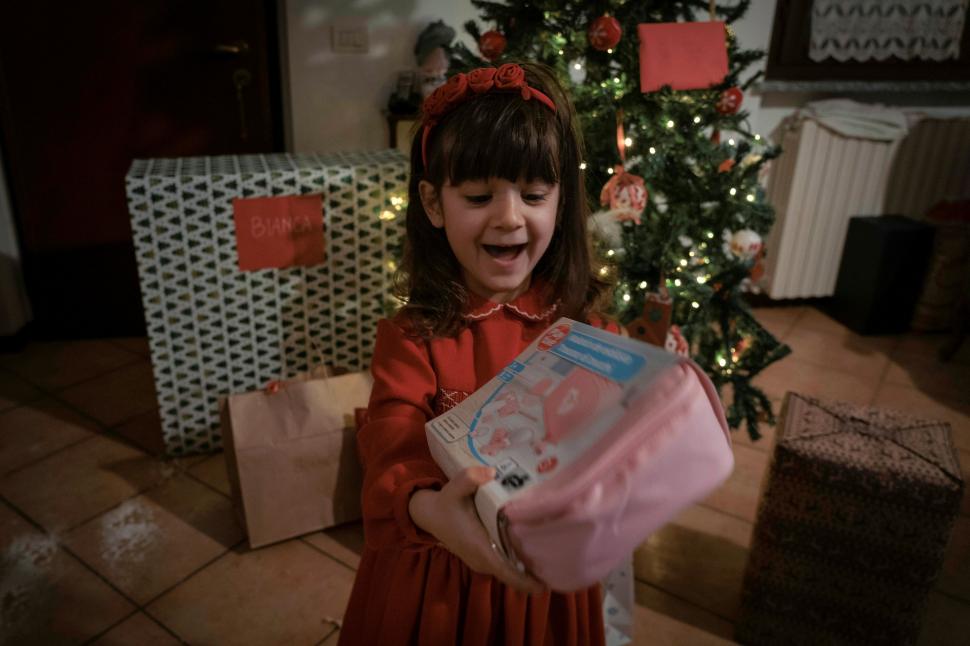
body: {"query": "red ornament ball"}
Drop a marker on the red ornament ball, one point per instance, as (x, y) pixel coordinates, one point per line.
(730, 101)
(604, 33)
(492, 44)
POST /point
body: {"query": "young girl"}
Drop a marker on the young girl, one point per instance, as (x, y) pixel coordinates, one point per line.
(496, 250)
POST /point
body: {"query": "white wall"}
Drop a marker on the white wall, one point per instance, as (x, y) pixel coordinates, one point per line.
(336, 99)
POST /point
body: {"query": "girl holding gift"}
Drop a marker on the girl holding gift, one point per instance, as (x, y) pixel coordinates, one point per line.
(496, 250)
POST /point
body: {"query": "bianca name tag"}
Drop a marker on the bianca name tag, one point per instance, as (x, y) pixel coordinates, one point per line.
(279, 232)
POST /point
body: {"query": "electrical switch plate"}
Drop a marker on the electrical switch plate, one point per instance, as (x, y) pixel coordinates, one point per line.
(349, 36)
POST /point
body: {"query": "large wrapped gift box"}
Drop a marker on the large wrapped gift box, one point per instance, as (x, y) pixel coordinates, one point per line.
(215, 329)
(854, 520)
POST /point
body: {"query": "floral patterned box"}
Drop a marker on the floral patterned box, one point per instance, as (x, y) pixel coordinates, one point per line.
(214, 329)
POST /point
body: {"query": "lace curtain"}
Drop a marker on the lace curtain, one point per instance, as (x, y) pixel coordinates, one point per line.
(867, 30)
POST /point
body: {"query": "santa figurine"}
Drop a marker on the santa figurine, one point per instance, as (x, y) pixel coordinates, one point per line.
(431, 52)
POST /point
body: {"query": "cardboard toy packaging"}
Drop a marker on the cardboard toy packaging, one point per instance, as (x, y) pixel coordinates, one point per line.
(597, 440)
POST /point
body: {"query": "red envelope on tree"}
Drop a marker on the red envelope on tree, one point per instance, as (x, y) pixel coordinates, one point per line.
(683, 55)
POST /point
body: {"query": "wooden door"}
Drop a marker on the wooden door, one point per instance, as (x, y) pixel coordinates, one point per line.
(85, 87)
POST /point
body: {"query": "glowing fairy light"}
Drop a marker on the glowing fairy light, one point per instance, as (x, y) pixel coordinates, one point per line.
(733, 191)
(610, 253)
(560, 52)
(695, 305)
(577, 66)
(750, 197)
(701, 280)
(582, 166)
(387, 215)
(391, 265)
(609, 51)
(721, 362)
(628, 141)
(603, 271)
(670, 123)
(710, 234)
(697, 119)
(683, 262)
(653, 151)
(730, 142)
(643, 284)
(626, 298)
(677, 282)
(757, 137)
(609, 170)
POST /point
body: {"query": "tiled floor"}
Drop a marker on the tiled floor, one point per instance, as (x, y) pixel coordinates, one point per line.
(104, 543)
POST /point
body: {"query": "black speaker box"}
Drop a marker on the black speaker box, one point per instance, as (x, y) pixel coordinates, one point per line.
(883, 265)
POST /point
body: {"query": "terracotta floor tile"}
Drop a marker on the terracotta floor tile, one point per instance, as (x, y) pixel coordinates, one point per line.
(14, 391)
(864, 357)
(145, 430)
(927, 345)
(344, 542)
(663, 620)
(117, 396)
(935, 378)
(38, 429)
(212, 471)
(151, 542)
(946, 623)
(778, 320)
(56, 364)
(138, 629)
(281, 594)
(700, 557)
(134, 344)
(740, 494)
(815, 319)
(81, 481)
(955, 579)
(792, 374)
(915, 402)
(48, 596)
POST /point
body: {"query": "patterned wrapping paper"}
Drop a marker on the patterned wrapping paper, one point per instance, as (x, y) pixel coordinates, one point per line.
(215, 330)
(857, 509)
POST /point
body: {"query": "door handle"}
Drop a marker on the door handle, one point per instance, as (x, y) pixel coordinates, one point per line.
(235, 48)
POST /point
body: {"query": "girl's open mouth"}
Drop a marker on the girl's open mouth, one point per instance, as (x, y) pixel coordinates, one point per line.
(503, 252)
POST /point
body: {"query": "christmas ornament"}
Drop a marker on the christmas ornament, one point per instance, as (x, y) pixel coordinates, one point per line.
(743, 245)
(716, 137)
(683, 55)
(492, 44)
(625, 194)
(604, 33)
(725, 165)
(676, 342)
(653, 324)
(730, 101)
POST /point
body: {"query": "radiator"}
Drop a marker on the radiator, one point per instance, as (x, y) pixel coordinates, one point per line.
(823, 178)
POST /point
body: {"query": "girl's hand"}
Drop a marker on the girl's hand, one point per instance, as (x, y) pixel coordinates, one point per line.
(449, 515)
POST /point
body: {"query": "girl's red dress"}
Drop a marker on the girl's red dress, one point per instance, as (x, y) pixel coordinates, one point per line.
(409, 590)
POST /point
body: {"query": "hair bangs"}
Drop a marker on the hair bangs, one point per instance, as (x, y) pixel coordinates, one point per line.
(502, 137)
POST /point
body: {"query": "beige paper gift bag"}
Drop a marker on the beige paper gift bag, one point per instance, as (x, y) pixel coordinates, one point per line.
(291, 455)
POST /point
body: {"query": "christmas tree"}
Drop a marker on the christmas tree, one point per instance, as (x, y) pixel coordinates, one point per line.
(681, 213)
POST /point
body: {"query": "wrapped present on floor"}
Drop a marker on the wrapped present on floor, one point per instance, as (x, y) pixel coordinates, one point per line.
(255, 268)
(854, 520)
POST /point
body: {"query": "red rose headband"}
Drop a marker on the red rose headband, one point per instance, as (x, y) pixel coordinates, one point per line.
(461, 87)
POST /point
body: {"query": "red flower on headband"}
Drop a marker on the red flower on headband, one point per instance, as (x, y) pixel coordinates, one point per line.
(434, 105)
(509, 77)
(482, 79)
(455, 89)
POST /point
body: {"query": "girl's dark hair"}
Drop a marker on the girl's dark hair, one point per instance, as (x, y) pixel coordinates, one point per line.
(499, 134)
